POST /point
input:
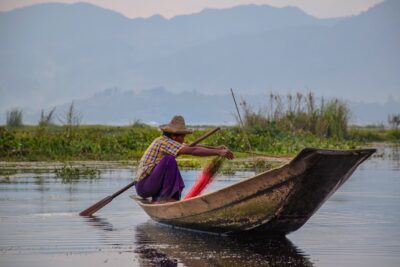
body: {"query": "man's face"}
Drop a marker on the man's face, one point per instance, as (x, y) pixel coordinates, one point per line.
(180, 138)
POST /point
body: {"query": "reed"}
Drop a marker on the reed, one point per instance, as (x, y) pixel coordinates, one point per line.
(299, 113)
(46, 119)
(394, 121)
(14, 117)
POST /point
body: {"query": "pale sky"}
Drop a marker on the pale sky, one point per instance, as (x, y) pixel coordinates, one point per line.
(171, 8)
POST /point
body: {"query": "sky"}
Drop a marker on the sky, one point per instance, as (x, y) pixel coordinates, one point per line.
(171, 8)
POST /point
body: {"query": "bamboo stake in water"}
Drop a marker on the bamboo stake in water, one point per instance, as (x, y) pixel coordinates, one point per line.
(241, 122)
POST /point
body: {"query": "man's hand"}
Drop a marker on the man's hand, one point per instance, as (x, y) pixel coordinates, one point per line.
(226, 153)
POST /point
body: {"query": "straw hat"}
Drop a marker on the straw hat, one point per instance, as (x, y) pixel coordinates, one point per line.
(176, 126)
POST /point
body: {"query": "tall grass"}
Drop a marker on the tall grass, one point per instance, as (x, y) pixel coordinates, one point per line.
(394, 121)
(14, 118)
(299, 113)
(46, 119)
(71, 117)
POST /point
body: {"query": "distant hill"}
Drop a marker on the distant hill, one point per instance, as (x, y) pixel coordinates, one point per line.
(53, 53)
(357, 57)
(156, 106)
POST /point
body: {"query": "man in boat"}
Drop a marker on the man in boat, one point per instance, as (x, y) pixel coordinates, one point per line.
(158, 175)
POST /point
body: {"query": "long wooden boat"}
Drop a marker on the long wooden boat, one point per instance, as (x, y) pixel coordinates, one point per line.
(277, 201)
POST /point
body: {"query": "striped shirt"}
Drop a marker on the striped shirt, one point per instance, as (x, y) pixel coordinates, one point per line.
(157, 150)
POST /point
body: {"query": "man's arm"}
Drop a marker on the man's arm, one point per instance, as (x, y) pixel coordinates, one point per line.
(213, 147)
(204, 151)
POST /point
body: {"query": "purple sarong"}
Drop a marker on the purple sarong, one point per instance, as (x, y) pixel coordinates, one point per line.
(163, 183)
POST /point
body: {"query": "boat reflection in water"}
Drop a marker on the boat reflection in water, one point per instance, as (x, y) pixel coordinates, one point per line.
(160, 245)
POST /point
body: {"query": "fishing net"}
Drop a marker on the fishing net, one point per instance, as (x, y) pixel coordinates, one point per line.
(205, 177)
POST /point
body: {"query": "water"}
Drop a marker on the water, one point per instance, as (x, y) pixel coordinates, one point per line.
(39, 225)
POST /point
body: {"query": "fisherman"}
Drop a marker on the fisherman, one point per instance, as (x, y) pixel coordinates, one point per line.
(158, 175)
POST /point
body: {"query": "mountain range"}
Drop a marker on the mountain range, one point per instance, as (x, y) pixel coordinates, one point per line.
(51, 54)
(114, 106)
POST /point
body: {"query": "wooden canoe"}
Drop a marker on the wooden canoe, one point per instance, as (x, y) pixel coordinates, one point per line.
(277, 201)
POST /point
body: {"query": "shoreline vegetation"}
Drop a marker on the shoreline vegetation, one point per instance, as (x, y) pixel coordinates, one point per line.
(119, 143)
(286, 125)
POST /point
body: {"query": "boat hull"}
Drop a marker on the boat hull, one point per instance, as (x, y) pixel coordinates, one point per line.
(278, 201)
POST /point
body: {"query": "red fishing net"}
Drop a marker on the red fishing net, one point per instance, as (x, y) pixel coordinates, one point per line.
(205, 177)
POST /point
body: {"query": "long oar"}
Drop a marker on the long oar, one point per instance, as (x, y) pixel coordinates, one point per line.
(92, 209)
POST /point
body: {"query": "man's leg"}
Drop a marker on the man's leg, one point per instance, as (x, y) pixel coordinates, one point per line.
(172, 184)
(164, 182)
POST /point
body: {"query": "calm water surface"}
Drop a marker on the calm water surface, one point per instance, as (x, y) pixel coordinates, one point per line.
(39, 225)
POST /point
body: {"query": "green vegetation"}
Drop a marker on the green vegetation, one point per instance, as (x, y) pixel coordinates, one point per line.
(63, 143)
(34, 143)
(69, 173)
(300, 114)
(374, 134)
(287, 125)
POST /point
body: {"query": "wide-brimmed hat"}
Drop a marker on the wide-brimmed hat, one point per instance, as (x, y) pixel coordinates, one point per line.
(176, 126)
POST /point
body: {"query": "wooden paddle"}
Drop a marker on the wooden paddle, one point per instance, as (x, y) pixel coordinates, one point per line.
(92, 209)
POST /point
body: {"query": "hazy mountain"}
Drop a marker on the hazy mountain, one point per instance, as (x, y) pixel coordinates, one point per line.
(358, 58)
(363, 113)
(54, 53)
(158, 105)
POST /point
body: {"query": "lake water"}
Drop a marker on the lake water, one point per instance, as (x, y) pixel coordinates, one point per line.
(39, 225)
